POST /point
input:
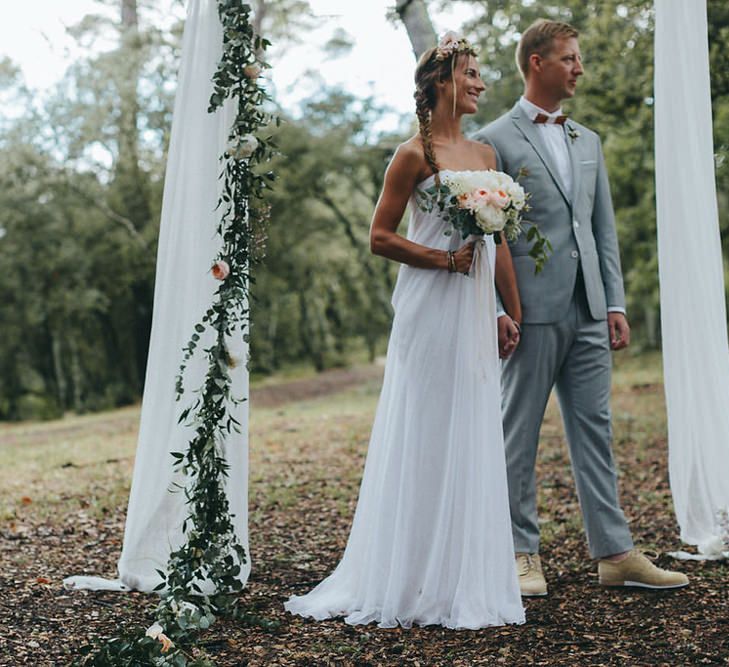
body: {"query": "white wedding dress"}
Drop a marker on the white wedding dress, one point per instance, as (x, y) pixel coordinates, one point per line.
(431, 539)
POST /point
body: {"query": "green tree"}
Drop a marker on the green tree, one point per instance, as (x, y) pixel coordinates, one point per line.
(81, 178)
(320, 293)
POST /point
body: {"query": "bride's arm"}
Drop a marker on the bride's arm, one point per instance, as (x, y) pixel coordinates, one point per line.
(505, 279)
(401, 178)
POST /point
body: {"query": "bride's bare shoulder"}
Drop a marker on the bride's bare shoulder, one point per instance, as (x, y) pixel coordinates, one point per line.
(409, 157)
(412, 150)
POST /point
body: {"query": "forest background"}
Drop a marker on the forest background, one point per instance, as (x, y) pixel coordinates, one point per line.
(81, 178)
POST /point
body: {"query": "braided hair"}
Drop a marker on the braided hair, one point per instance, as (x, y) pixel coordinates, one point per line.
(433, 67)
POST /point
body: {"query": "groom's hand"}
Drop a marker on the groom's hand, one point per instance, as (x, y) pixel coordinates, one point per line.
(508, 336)
(619, 331)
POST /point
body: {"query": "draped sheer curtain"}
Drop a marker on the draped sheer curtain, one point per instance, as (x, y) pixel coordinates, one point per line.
(693, 311)
(184, 290)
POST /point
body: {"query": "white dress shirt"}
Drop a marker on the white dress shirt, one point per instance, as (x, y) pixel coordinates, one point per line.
(554, 138)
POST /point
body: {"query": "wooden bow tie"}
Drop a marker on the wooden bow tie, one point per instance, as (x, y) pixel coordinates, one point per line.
(557, 120)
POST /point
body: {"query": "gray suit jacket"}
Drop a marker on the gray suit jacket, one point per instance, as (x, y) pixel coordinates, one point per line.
(580, 225)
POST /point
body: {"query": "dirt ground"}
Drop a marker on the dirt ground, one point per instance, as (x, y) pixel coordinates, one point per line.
(64, 486)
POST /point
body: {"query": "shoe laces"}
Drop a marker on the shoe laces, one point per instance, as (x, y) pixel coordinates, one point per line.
(526, 564)
(652, 556)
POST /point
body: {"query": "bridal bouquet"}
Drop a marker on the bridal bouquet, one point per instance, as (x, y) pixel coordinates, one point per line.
(484, 202)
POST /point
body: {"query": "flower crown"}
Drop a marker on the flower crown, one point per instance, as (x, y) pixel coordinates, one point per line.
(452, 43)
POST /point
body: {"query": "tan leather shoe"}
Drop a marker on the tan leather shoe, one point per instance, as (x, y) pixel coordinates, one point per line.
(636, 570)
(531, 578)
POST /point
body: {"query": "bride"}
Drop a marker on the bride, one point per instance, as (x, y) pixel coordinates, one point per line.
(431, 539)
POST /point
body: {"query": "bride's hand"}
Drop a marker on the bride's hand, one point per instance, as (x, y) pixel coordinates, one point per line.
(509, 336)
(464, 258)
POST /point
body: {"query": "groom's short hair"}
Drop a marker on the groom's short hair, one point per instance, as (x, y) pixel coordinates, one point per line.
(538, 38)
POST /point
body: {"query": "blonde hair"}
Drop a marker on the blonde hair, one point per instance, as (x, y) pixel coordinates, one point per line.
(539, 38)
(433, 67)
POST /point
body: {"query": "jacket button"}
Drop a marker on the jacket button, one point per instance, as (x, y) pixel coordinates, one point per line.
(576, 223)
(575, 254)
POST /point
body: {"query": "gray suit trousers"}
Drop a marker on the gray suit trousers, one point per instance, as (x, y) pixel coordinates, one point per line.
(574, 355)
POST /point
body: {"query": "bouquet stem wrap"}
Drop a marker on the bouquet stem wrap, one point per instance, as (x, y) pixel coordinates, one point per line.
(488, 348)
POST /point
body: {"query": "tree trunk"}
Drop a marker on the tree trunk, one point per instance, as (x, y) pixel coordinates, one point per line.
(651, 326)
(414, 14)
(271, 334)
(77, 375)
(309, 330)
(61, 384)
(128, 192)
(129, 14)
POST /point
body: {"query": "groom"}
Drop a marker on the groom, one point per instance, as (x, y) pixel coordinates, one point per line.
(573, 313)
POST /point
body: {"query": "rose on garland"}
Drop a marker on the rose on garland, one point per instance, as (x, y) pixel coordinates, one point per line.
(243, 147)
(156, 631)
(220, 270)
(252, 71)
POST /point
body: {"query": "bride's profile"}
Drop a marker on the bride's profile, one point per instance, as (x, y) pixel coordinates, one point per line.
(431, 538)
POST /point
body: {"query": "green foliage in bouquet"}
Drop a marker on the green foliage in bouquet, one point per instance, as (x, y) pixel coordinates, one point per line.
(477, 218)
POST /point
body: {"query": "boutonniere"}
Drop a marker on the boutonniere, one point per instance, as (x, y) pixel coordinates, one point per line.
(572, 133)
(522, 173)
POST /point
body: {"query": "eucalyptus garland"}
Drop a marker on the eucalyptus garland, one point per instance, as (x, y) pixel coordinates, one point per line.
(203, 575)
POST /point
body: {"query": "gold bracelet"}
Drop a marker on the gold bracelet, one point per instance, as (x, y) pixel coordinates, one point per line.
(451, 262)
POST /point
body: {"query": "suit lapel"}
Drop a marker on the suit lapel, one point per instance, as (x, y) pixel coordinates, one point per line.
(531, 133)
(573, 151)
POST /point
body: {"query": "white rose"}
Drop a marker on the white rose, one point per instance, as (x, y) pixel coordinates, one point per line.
(490, 219)
(449, 41)
(463, 182)
(518, 197)
(504, 180)
(154, 630)
(244, 147)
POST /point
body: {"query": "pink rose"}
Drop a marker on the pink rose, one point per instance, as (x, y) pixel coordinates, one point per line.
(468, 201)
(220, 270)
(483, 197)
(165, 641)
(499, 199)
(475, 200)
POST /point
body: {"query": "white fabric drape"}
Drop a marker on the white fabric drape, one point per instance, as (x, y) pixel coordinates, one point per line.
(183, 291)
(693, 312)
